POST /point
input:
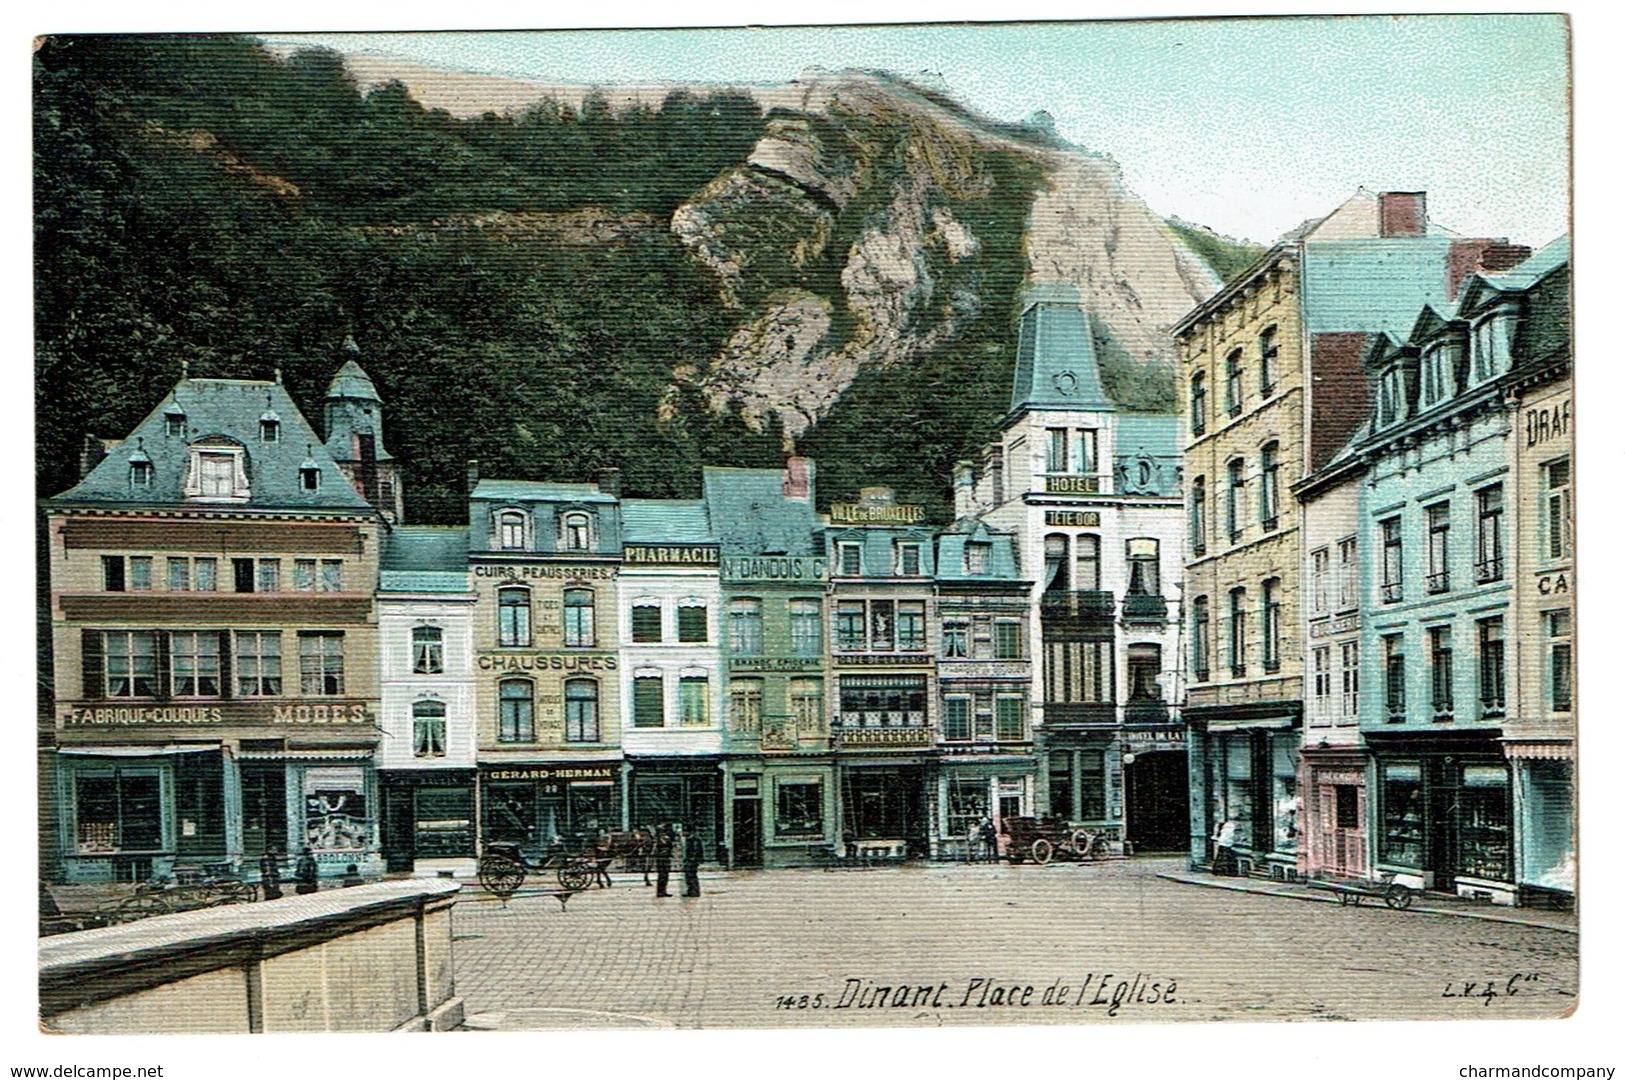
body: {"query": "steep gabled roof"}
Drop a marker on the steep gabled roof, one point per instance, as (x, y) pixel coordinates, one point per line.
(229, 410)
(1056, 366)
(750, 513)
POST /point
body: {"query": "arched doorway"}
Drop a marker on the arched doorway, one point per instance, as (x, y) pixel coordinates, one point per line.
(1156, 796)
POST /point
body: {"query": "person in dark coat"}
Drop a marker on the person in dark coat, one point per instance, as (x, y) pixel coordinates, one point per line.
(271, 875)
(663, 846)
(305, 874)
(693, 852)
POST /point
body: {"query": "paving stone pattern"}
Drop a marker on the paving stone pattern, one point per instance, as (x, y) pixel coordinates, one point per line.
(620, 957)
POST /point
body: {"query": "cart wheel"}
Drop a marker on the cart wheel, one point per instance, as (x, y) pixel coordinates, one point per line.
(140, 906)
(1346, 899)
(575, 876)
(1397, 897)
(500, 875)
(1086, 844)
(1043, 851)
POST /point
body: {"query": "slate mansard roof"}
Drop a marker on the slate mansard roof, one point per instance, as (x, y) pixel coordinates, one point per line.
(666, 521)
(1056, 366)
(229, 410)
(424, 559)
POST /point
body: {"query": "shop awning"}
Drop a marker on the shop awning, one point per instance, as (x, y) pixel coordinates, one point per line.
(1550, 751)
(136, 751)
(303, 755)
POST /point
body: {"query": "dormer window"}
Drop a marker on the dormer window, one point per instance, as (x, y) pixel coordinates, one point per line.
(575, 531)
(140, 473)
(976, 554)
(175, 423)
(511, 530)
(310, 478)
(270, 428)
(1490, 347)
(217, 470)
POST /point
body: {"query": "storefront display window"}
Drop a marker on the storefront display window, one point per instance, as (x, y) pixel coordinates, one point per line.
(445, 822)
(967, 805)
(1238, 772)
(591, 809)
(1060, 784)
(1402, 814)
(1286, 795)
(800, 810)
(1485, 833)
(336, 810)
(1092, 784)
(118, 811)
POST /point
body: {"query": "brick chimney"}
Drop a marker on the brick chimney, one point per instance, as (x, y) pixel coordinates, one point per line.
(964, 489)
(609, 482)
(91, 454)
(1481, 256)
(1402, 213)
(798, 478)
(473, 475)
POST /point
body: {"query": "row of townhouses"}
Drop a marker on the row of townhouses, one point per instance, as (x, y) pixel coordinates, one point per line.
(252, 653)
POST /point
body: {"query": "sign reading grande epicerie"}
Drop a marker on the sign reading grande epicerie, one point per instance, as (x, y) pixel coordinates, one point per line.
(791, 569)
(234, 713)
(671, 554)
(547, 661)
(861, 514)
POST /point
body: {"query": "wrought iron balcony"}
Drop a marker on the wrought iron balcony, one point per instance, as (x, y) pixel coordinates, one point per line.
(1440, 582)
(1489, 570)
(1139, 608)
(888, 738)
(1393, 591)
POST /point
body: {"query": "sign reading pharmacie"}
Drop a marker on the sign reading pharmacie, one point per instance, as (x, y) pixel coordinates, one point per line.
(93, 714)
(671, 555)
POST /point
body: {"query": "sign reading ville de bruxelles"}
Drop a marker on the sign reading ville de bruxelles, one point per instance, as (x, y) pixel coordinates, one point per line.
(861, 514)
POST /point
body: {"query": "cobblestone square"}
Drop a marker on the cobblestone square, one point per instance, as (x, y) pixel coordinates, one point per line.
(939, 945)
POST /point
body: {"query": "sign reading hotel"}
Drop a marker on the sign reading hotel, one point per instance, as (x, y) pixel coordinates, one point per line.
(865, 514)
(1082, 519)
(789, 569)
(1072, 485)
(671, 555)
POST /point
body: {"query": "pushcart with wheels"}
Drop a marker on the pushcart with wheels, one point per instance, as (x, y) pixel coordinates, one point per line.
(1351, 892)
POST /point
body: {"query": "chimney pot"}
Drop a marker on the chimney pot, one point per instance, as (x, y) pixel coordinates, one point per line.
(1402, 213)
(797, 478)
(473, 475)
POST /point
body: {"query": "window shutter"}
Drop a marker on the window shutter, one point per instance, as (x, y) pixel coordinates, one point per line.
(90, 652)
(160, 649)
(227, 681)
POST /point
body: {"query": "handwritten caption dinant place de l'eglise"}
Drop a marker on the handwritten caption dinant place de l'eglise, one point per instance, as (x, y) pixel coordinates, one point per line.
(1100, 990)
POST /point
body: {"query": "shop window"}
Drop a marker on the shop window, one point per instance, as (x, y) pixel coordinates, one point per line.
(257, 655)
(1092, 784)
(645, 623)
(1492, 690)
(693, 625)
(1485, 825)
(510, 813)
(648, 701)
(799, 811)
(321, 663)
(745, 706)
(117, 812)
(1559, 626)
(336, 810)
(194, 663)
(807, 628)
(1491, 534)
(1060, 784)
(581, 711)
(513, 617)
(516, 711)
(428, 650)
(694, 701)
(429, 729)
(807, 705)
(580, 626)
(745, 626)
(967, 807)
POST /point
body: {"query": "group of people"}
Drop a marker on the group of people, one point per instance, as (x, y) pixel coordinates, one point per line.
(669, 840)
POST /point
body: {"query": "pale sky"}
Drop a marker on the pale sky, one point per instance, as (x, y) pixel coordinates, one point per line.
(1248, 126)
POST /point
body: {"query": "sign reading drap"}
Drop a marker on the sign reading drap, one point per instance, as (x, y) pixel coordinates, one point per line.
(862, 514)
(1546, 422)
(790, 569)
(671, 555)
(1084, 519)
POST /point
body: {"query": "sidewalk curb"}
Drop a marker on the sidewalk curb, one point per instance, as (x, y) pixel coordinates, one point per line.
(1257, 891)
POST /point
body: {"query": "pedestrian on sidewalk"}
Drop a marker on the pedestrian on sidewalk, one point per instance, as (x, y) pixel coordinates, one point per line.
(271, 875)
(305, 874)
(1224, 850)
(663, 846)
(693, 852)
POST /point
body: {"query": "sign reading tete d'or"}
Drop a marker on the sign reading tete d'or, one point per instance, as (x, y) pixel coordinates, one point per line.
(864, 514)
